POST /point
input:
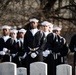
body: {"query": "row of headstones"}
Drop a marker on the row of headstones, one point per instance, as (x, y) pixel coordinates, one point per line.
(36, 68)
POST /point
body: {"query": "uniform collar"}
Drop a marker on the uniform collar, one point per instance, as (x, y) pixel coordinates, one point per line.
(6, 38)
(46, 33)
(21, 39)
(34, 31)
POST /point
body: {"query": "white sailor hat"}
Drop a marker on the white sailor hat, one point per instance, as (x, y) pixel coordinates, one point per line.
(14, 31)
(44, 23)
(51, 25)
(22, 30)
(57, 28)
(6, 27)
(34, 20)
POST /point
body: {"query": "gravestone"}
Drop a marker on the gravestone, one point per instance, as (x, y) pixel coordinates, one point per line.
(21, 71)
(8, 68)
(64, 69)
(38, 68)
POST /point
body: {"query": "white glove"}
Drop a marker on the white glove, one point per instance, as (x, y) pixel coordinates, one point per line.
(47, 51)
(58, 53)
(2, 53)
(24, 55)
(33, 55)
(74, 49)
(13, 55)
(19, 58)
(44, 54)
(5, 49)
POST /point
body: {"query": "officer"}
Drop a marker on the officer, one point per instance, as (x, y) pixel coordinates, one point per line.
(63, 50)
(47, 53)
(14, 46)
(5, 44)
(21, 50)
(34, 43)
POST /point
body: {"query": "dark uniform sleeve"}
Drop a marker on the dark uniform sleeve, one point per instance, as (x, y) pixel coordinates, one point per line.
(51, 42)
(26, 42)
(43, 41)
(37, 41)
(64, 49)
(21, 50)
(12, 46)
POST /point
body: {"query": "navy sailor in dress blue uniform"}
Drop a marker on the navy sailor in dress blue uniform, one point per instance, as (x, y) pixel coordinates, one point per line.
(47, 53)
(14, 46)
(34, 43)
(5, 44)
(8, 45)
(21, 51)
(63, 50)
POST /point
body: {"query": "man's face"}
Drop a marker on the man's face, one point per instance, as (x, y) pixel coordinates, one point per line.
(13, 35)
(21, 34)
(58, 32)
(46, 28)
(33, 25)
(6, 32)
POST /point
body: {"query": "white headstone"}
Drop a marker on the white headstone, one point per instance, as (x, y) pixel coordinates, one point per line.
(8, 68)
(64, 69)
(38, 68)
(21, 71)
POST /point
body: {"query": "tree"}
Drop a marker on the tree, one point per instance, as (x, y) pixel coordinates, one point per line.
(18, 12)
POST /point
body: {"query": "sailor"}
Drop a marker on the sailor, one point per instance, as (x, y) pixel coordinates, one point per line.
(13, 34)
(34, 43)
(47, 53)
(57, 30)
(14, 46)
(45, 27)
(21, 50)
(5, 44)
(63, 50)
